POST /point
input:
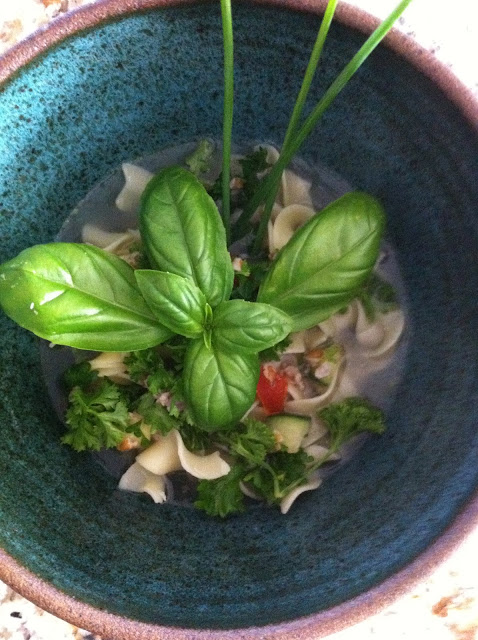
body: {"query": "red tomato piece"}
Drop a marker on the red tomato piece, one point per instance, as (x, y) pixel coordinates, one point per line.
(271, 390)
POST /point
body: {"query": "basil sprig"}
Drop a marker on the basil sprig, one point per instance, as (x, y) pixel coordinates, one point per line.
(185, 238)
(80, 296)
(321, 268)
(248, 326)
(175, 301)
(183, 233)
(83, 297)
(219, 385)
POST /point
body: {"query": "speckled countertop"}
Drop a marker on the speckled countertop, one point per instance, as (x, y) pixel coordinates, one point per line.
(444, 606)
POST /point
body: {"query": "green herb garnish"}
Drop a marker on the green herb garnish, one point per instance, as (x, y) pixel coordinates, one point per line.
(348, 418)
(377, 296)
(189, 333)
(251, 442)
(271, 183)
(228, 112)
(161, 374)
(156, 416)
(320, 269)
(80, 375)
(97, 418)
(310, 71)
(279, 475)
(199, 161)
(272, 474)
(222, 497)
(302, 96)
(107, 306)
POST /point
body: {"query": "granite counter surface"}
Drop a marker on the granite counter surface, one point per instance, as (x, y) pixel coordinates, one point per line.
(444, 605)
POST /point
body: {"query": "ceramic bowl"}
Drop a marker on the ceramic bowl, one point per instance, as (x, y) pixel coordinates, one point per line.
(123, 78)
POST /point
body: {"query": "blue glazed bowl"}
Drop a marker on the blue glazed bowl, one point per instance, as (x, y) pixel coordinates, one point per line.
(122, 79)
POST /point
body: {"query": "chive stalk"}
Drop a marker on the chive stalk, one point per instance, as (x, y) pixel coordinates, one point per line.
(228, 112)
(271, 182)
(304, 91)
(310, 71)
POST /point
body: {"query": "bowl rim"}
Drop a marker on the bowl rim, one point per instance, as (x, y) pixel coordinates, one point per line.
(91, 15)
(314, 626)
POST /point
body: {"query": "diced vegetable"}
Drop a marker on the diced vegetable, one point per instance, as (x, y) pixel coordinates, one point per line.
(271, 389)
(291, 429)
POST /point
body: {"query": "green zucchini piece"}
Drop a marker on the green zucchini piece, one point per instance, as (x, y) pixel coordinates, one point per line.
(292, 428)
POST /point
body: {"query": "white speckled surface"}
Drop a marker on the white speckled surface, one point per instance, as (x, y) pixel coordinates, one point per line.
(445, 605)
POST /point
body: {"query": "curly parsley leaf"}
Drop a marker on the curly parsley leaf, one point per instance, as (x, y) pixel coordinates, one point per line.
(222, 497)
(149, 368)
(279, 475)
(252, 441)
(377, 296)
(161, 380)
(270, 473)
(80, 375)
(96, 419)
(179, 409)
(140, 364)
(350, 417)
(155, 415)
(199, 161)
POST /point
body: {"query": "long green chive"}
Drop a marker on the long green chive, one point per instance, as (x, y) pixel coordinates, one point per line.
(310, 71)
(304, 91)
(271, 182)
(228, 112)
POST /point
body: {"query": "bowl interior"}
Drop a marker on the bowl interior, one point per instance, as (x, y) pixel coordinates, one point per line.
(154, 79)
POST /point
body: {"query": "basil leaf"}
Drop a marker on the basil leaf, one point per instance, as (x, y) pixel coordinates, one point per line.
(207, 335)
(175, 301)
(183, 233)
(249, 326)
(321, 267)
(80, 296)
(220, 386)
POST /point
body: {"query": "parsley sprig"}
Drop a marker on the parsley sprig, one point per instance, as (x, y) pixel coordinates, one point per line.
(160, 371)
(279, 474)
(377, 296)
(272, 472)
(258, 461)
(346, 419)
(251, 442)
(222, 497)
(97, 418)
